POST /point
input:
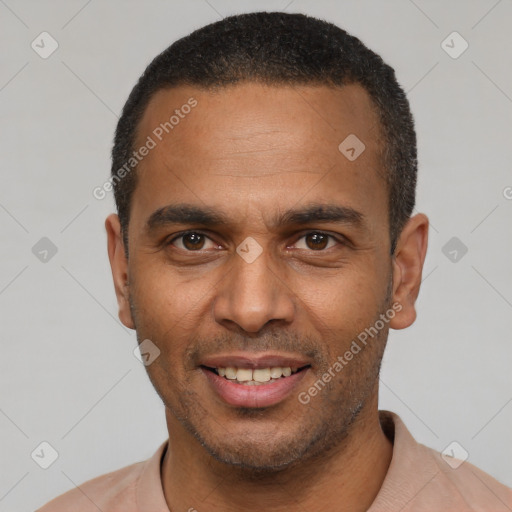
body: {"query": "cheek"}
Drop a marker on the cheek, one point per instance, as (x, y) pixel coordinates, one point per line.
(343, 305)
(167, 300)
(167, 313)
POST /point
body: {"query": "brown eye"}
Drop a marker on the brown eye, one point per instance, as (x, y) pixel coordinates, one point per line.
(190, 241)
(315, 241)
(193, 241)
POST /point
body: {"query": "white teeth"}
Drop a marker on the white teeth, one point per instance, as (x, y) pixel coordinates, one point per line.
(230, 372)
(243, 374)
(257, 376)
(261, 375)
(276, 372)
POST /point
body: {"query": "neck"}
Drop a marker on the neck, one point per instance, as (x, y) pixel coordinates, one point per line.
(348, 478)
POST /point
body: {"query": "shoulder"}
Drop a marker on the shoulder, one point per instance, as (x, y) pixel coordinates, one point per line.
(112, 492)
(421, 478)
(478, 489)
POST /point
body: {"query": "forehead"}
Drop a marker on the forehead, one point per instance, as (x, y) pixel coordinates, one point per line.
(233, 114)
(259, 141)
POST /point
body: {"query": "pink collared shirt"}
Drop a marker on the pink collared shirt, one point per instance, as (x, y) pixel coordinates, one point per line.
(418, 479)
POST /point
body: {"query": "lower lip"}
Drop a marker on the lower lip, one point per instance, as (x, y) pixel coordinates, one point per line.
(263, 395)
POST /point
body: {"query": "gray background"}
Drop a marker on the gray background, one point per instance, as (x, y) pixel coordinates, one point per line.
(68, 375)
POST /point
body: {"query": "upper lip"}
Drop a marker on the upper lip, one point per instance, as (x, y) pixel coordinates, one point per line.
(254, 360)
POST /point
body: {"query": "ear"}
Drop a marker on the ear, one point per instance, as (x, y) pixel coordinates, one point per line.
(119, 266)
(407, 268)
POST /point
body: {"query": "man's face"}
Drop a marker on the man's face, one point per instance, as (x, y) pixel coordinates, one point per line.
(252, 154)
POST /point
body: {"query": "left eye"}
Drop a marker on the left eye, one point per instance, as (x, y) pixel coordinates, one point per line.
(316, 241)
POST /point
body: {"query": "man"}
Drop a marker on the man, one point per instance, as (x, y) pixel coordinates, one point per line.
(264, 171)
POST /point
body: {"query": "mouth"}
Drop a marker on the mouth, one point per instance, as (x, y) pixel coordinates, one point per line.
(254, 383)
(255, 376)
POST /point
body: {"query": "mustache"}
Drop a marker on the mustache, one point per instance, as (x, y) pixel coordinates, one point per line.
(200, 348)
(272, 339)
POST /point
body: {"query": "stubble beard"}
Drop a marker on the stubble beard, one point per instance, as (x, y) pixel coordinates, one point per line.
(329, 421)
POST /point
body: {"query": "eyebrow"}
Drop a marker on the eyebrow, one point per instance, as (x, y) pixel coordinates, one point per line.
(210, 217)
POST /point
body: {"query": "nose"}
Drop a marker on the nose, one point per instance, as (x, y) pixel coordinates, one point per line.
(252, 295)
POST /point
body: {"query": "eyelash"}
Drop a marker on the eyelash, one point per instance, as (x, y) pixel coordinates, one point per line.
(181, 235)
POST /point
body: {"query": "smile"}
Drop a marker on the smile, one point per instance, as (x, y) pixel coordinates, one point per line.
(254, 387)
(257, 376)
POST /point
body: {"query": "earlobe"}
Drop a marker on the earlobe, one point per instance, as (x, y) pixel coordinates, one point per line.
(407, 269)
(119, 267)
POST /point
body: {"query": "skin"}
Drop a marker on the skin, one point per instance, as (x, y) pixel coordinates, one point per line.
(253, 152)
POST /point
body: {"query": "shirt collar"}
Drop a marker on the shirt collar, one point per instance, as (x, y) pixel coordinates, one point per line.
(412, 468)
(150, 492)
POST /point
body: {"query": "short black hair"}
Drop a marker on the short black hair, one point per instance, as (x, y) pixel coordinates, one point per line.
(276, 48)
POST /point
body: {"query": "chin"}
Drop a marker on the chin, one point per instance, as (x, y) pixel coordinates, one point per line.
(255, 459)
(263, 453)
